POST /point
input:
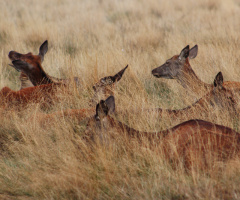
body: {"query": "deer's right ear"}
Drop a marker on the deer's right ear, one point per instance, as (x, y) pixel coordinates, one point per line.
(43, 50)
(110, 102)
(184, 53)
(218, 81)
(22, 66)
(193, 52)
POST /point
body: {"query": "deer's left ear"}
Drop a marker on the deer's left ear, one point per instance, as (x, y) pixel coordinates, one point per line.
(43, 50)
(119, 75)
(110, 102)
(218, 81)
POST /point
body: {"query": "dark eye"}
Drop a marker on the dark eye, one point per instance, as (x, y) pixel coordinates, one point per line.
(97, 118)
(167, 63)
(103, 80)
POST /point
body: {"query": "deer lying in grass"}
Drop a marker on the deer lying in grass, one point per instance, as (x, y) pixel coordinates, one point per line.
(217, 97)
(10, 98)
(179, 68)
(44, 94)
(102, 89)
(33, 74)
(188, 141)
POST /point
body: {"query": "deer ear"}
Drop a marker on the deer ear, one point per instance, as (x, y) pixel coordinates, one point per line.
(43, 50)
(193, 52)
(20, 65)
(110, 102)
(101, 110)
(184, 53)
(218, 81)
(119, 75)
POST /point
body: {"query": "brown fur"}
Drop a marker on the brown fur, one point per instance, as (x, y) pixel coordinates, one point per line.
(71, 114)
(187, 141)
(44, 94)
(33, 72)
(182, 71)
(30, 66)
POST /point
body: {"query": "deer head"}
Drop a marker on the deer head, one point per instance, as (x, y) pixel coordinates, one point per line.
(220, 97)
(105, 86)
(30, 65)
(177, 65)
(100, 122)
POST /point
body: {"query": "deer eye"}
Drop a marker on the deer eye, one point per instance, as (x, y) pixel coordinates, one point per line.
(103, 80)
(97, 118)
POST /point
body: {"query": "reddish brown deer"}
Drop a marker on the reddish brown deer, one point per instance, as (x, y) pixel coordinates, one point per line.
(218, 97)
(102, 89)
(71, 114)
(27, 95)
(44, 94)
(32, 72)
(187, 141)
(30, 67)
(179, 68)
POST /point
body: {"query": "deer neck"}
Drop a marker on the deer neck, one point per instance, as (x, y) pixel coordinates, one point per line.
(199, 107)
(133, 133)
(41, 79)
(188, 79)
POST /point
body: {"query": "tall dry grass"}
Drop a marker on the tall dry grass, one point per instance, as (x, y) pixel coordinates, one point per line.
(92, 39)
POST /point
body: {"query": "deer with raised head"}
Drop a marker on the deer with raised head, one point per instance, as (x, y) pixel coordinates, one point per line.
(102, 89)
(182, 142)
(30, 67)
(32, 72)
(10, 98)
(179, 68)
(218, 97)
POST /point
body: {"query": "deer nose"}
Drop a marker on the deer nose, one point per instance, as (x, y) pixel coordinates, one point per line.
(13, 55)
(155, 73)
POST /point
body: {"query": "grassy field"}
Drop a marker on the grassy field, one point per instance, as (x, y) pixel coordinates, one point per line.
(93, 39)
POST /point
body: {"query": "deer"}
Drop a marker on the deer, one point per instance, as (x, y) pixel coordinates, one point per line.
(18, 100)
(179, 68)
(21, 98)
(217, 97)
(103, 88)
(32, 72)
(185, 141)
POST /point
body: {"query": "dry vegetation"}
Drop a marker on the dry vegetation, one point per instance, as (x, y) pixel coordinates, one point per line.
(93, 39)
